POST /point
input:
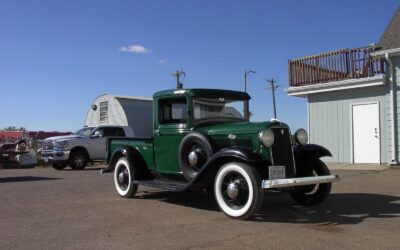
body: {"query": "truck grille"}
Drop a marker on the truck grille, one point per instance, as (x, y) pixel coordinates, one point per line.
(281, 151)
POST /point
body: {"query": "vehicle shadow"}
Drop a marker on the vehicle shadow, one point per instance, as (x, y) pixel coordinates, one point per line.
(26, 178)
(85, 169)
(340, 208)
(200, 200)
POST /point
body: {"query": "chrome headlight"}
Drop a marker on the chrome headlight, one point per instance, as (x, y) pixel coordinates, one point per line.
(301, 136)
(267, 137)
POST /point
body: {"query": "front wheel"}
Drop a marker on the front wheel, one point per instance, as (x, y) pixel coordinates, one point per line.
(78, 160)
(312, 195)
(237, 190)
(124, 175)
(59, 166)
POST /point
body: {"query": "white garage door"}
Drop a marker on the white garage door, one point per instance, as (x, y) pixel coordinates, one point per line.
(366, 142)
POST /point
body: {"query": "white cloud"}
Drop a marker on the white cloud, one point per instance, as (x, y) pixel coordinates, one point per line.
(162, 61)
(135, 48)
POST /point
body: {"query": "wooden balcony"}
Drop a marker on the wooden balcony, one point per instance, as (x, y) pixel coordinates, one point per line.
(335, 66)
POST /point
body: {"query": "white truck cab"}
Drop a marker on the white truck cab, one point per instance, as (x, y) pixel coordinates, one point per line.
(86, 145)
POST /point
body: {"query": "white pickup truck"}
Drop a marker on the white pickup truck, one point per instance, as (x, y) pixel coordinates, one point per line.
(86, 145)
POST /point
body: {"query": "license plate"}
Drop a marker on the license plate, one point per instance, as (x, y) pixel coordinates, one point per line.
(277, 172)
(5, 155)
(46, 159)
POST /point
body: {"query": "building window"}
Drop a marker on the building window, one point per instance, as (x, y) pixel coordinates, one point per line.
(104, 111)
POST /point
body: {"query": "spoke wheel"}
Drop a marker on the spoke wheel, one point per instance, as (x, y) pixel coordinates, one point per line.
(123, 179)
(237, 190)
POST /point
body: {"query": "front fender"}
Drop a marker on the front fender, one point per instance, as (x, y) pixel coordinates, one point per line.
(309, 152)
(210, 169)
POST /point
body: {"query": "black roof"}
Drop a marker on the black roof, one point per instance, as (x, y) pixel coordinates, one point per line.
(391, 37)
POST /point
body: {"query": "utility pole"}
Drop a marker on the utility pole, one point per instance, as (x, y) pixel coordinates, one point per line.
(246, 103)
(273, 87)
(178, 74)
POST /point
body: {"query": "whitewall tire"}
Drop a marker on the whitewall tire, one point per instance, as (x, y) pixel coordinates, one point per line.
(123, 178)
(237, 190)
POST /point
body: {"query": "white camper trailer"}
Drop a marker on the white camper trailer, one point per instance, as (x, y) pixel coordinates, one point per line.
(135, 112)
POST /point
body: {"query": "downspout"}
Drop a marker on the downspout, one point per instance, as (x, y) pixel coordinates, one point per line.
(393, 107)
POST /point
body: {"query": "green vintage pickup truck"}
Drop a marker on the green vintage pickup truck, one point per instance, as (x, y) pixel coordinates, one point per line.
(202, 139)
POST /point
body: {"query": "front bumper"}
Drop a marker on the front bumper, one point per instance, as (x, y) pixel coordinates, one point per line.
(53, 155)
(303, 181)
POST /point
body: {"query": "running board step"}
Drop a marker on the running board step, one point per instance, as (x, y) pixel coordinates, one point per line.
(169, 185)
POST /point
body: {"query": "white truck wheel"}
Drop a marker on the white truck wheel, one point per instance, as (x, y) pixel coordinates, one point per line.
(123, 178)
(237, 190)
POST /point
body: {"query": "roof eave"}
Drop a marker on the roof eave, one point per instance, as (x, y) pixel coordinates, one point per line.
(382, 53)
(303, 91)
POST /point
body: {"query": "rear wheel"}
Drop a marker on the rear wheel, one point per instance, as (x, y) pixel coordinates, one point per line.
(237, 190)
(124, 175)
(78, 160)
(312, 195)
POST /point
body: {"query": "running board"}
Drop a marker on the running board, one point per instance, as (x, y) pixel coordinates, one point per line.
(293, 182)
(168, 185)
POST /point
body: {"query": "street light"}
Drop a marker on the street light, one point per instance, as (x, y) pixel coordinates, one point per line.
(246, 103)
(246, 73)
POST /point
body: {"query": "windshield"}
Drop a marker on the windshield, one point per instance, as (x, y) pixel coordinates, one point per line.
(217, 109)
(84, 131)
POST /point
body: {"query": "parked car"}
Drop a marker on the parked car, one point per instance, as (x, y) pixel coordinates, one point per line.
(86, 145)
(17, 155)
(202, 140)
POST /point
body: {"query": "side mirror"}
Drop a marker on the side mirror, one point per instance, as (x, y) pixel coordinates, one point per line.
(97, 134)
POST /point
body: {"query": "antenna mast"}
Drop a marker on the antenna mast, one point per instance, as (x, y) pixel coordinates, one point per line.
(179, 74)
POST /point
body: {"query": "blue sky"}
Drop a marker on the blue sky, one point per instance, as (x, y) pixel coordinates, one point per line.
(56, 57)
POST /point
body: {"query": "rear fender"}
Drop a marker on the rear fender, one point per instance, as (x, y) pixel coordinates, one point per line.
(134, 159)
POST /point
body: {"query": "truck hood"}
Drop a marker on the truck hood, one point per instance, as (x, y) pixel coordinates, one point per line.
(63, 137)
(237, 128)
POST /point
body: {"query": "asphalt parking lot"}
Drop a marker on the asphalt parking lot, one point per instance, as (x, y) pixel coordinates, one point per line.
(43, 208)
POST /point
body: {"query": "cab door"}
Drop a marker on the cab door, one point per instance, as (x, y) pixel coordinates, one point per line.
(172, 126)
(97, 144)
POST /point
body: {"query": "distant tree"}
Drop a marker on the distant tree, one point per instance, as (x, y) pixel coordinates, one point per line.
(13, 128)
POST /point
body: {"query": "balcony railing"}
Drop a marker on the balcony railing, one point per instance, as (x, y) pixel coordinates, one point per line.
(334, 66)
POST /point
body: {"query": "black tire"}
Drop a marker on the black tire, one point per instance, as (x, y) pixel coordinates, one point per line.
(237, 190)
(124, 174)
(312, 195)
(197, 145)
(78, 160)
(58, 166)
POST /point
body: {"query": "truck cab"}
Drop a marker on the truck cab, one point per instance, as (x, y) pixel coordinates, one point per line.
(202, 139)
